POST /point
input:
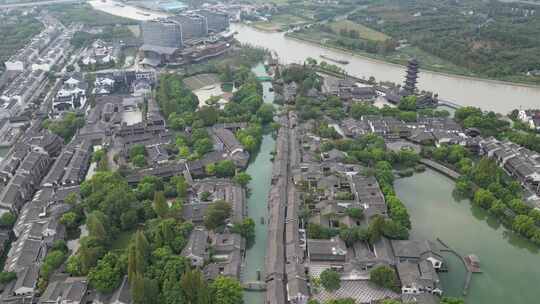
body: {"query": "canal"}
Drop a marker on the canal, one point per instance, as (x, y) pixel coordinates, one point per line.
(260, 171)
(510, 264)
(488, 95)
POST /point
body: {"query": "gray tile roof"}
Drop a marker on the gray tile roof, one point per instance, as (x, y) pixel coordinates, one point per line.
(362, 291)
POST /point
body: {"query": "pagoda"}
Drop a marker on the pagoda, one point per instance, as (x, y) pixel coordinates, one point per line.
(412, 77)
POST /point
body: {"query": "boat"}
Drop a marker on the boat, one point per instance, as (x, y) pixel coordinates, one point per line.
(334, 60)
(472, 262)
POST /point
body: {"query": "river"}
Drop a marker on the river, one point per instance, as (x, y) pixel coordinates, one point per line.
(260, 171)
(510, 264)
(488, 95)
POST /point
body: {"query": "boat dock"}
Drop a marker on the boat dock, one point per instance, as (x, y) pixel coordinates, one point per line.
(468, 261)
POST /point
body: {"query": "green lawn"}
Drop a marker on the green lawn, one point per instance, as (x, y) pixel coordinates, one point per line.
(363, 31)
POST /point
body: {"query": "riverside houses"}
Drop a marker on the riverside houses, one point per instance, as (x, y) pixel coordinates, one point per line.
(519, 162)
(330, 188)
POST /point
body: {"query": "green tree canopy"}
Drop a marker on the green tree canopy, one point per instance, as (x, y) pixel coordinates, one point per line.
(226, 290)
(216, 214)
(330, 279)
(383, 276)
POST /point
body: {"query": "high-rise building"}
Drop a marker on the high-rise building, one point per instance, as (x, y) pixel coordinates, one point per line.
(217, 21)
(412, 77)
(192, 25)
(164, 33)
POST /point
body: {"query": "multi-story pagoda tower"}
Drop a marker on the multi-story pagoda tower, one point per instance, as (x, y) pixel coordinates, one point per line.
(412, 77)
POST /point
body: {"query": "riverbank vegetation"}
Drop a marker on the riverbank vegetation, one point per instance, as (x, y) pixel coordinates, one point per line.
(490, 188)
(490, 39)
(480, 39)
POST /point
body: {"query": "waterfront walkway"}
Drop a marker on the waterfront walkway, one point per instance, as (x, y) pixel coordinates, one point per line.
(468, 275)
(449, 104)
(440, 168)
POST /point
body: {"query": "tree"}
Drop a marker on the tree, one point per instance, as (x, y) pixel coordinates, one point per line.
(138, 252)
(144, 290)
(355, 213)
(69, 219)
(246, 229)
(209, 115)
(483, 198)
(107, 275)
(448, 300)
(160, 205)
(383, 276)
(129, 219)
(65, 127)
(266, 113)
(52, 261)
(181, 185)
(225, 168)
(148, 186)
(226, 290)
(203, 146)
(242, 179)
(210, 169)
(7, 220)
(342, 301)
(330, 279)
(139, 161)
(74, 266)
(216, 214)
(6, 277)
(360, 109)
(194, 288)
(408, 103)
(525, 225)
(96, 226)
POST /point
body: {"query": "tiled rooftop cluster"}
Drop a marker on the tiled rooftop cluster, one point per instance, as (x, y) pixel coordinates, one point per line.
(519, 162)
(228, 248)
(328, 187)
(37, 176)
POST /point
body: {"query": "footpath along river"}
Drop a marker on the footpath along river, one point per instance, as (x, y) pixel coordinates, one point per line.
(261, 171)
(510, 264)
(488, 95)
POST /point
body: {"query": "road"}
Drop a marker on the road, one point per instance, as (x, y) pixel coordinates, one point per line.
(15, 5)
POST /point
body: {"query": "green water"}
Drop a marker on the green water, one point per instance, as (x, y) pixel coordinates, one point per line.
(4, 151)
(510, 264)
(261, 171)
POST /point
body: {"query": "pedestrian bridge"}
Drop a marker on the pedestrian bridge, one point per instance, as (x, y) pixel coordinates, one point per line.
(264, 78)
(254, 286)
